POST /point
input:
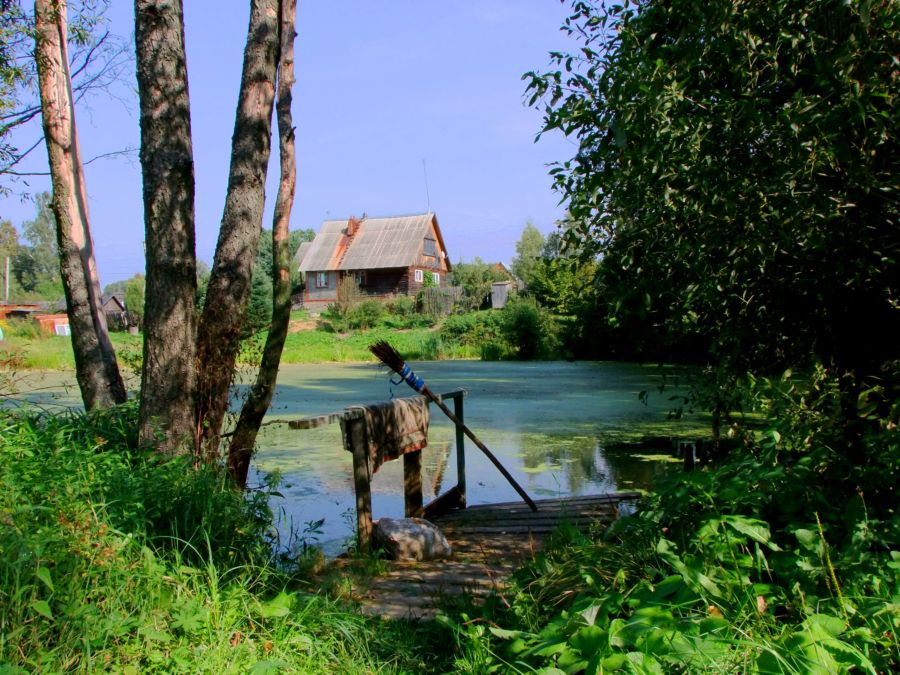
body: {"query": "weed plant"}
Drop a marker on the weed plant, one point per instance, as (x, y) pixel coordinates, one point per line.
(117, 560)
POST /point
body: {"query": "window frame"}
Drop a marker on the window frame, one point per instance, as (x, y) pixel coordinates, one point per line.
(433, 247)
(321, 279)
(419, 276)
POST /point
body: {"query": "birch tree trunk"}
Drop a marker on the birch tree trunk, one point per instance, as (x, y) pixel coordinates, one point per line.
(168, 376)
(240, 450)
(229, 286)
(95, 360)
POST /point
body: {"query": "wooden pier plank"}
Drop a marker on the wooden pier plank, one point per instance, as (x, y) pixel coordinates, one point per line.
(488, 542)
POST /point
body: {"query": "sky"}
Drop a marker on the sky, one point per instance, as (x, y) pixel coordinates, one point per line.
(400, 106)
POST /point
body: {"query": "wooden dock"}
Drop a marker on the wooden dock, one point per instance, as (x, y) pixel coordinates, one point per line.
(489, 542)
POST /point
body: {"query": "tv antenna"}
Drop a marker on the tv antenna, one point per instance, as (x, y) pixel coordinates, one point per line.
(427, 194)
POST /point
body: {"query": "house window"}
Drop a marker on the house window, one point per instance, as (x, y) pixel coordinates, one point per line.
(436, 278)
(430, 247)
(420, 276)
(321, 279)
(360, 278)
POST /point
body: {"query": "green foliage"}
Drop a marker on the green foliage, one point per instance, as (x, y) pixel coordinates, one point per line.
(474, 328)
(134, 297)
(366, 314)
(475, 278)
(529, 330)
(36, 265)
(259, 306)
(27, 329)
(528, 253)
(203, 275)
(9, 247)
(782, 560)
(737, 168)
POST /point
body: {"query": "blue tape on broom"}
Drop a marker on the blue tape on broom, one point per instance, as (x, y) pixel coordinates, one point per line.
(411, 378)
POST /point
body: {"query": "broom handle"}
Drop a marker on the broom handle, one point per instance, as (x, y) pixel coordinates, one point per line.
(481, 446)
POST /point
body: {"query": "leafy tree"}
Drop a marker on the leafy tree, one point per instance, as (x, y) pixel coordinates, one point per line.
(259, 306)
(9, 247)
(134, 296)
(737, 168)
(116, 287)
(563, 282)
(475, 278)
(36, 265)
(529, 330)
(528, 253)
(203, 274)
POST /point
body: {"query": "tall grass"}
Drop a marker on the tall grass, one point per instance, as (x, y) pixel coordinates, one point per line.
(116, 560)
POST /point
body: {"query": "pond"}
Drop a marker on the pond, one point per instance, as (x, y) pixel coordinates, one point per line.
(560, 429)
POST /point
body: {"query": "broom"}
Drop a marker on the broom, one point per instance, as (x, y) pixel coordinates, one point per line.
(385, 353)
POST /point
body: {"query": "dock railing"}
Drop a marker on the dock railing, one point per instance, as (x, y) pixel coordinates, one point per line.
(353, 419)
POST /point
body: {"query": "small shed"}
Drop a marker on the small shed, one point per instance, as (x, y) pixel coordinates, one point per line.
(113, 305)
(500, 292)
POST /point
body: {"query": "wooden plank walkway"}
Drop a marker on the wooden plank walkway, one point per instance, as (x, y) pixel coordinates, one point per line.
(489, 542)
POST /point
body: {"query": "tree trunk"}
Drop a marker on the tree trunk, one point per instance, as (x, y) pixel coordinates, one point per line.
(254, 409)
(229, 286)
(168, 376)
(95, 359)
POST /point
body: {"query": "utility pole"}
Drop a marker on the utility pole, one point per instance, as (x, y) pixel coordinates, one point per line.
(6, 282)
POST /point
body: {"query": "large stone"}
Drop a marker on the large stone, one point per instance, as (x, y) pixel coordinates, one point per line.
(410, 539)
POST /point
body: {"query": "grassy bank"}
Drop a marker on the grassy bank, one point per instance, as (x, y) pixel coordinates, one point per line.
(424, 343)
(456, 337)
(111, 560)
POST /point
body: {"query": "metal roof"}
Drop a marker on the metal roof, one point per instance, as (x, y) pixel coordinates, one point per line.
(379, 243)
(301, 252)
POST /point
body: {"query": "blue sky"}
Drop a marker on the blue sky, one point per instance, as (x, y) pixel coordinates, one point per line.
(381, 86)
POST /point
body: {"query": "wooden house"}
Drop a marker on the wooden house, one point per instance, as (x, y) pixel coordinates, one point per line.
(387, 256)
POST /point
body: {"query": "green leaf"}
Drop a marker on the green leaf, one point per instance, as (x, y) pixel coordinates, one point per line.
(42, 607)
(43, 574)
(825, 625)
(589, 640)
(505, 634)
(758, 530)
(278, 606)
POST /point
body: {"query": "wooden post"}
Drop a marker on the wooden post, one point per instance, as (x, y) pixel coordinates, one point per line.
(412, 484)
(460, 450)
(361, 484)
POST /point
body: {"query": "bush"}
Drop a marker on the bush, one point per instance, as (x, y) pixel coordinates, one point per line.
(24, 328)
(401, 306)
(529, 330)
(365, 315)
(474, 328)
